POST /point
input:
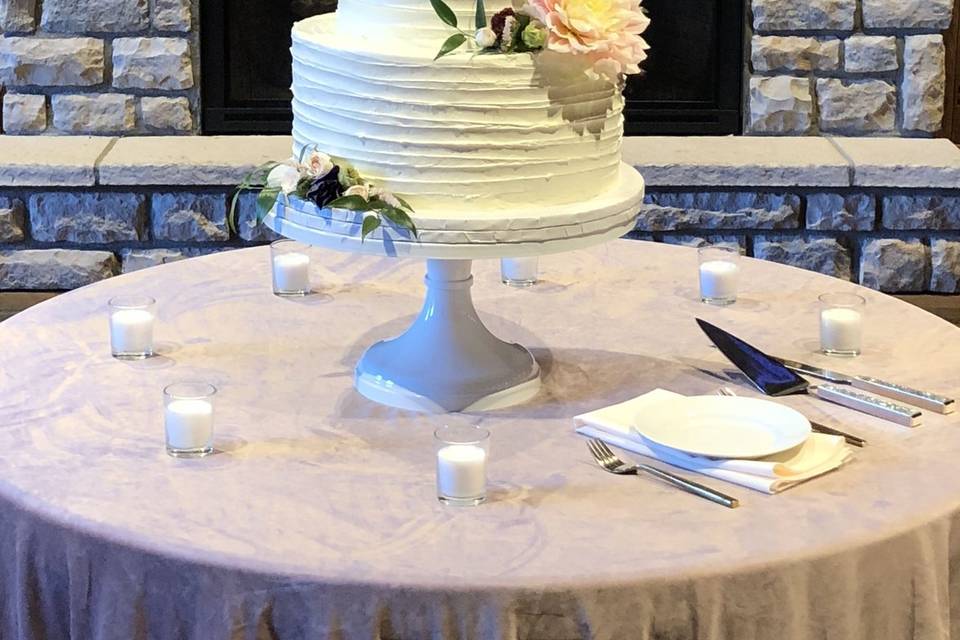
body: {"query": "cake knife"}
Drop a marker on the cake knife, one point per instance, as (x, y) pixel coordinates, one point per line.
(774, 379)
(916, 397)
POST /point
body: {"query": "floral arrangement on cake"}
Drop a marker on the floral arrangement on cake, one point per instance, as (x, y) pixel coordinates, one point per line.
(604, 33)
(328, 183)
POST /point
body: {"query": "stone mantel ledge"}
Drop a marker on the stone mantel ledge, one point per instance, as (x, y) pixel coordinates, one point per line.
(902, 162)
(732, 161)
(50, 161)
(667, 161)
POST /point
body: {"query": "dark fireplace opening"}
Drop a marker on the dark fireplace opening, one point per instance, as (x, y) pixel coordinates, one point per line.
(692, 83)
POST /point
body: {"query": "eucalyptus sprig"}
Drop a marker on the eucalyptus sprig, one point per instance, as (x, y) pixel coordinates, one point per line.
(256, 180)
(379, 208)
(449, 17)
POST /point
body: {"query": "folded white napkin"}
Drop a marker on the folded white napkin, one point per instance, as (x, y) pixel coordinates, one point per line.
(818, 455)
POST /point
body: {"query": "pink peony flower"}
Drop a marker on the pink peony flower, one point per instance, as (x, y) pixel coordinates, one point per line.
(605, 32)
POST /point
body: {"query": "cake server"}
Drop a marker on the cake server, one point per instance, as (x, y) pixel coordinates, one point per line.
(774, 379)
(916, 397)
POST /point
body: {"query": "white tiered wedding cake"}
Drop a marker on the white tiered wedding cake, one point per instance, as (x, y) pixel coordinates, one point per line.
(521, 119)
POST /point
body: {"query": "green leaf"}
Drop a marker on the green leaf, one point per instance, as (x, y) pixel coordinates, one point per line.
(232, 218)
(370, 224)
(452, 43)
(481, 19)
(445, 12)
(403, 203)
(399, 217)
(265, 201)
(350, 203)
(303, 186)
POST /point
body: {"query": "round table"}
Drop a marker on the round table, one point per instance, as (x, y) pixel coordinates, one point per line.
(317, 516)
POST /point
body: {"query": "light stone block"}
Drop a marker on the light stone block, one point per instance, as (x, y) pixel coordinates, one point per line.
(902, 162)
(94, 16)
(736, 160)
(189, 217)
(171, 15)
(56, 62)
(841, 212)
(824, 255)
(923, 87)
(794, 53)
(945, 266)
(12, 220)
(88, 217)
(189, 160)
(719, 210)
(24, 113)
(249, 227)
(152, 63)
(866, 106)
(166, 114)
(17, 16)
(933, 15)
(790, 15)
(781, 104)
(908, 211)
(870, 54)
(94, 113)
(894, 265)
(50, 161)
(55, 269)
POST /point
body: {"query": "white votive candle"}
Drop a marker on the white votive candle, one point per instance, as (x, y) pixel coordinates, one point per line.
(718, 280)
(519, 271)
(131, 331)
(291, 272)
(841, 330)
(461, 471)
(189, 424)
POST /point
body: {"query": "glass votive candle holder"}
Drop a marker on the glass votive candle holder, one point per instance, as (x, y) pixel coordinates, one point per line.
(290, 265)
(519, 272)
(841, 323)
(719, 274)
(462, 464)
(188, 419)
(131, 326)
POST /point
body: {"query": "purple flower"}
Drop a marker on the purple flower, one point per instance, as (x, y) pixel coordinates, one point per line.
(326, 189)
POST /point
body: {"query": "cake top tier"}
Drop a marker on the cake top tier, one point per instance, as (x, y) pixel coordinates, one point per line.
(407, 20)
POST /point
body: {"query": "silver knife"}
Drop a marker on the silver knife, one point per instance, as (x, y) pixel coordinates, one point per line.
(922, 399)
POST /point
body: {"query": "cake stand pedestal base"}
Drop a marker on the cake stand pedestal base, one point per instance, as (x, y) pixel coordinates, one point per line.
(448, 360)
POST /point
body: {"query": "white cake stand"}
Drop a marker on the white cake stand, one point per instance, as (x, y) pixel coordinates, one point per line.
(448, 360)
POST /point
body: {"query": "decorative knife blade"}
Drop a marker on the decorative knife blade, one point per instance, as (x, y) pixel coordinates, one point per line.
(916, 397)
(774, 379)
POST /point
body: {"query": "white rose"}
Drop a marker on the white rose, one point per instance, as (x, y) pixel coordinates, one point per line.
(284, 177)
(361, 190)
(386, 196)
(318, 164)
(485, 37)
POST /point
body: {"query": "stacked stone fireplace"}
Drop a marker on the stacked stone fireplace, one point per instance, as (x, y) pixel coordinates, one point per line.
(837, 74)
(130, 67)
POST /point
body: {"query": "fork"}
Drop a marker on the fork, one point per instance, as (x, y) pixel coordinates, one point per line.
(609, 462)
(849, 438)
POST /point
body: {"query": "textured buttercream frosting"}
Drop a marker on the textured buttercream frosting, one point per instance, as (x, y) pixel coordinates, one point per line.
(471, 131)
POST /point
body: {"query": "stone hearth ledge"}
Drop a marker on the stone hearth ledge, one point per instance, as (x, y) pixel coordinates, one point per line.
(756, 162)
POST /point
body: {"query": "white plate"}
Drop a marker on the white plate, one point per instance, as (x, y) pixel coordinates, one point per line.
(723, 426)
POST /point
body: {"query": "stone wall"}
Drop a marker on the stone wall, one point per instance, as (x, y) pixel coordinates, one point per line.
(850, 67)
(99, 67)
(884, 212)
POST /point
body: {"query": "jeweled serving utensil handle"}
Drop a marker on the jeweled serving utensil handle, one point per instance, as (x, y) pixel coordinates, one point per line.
(866, 403)
(922, 399)
(692, 487)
